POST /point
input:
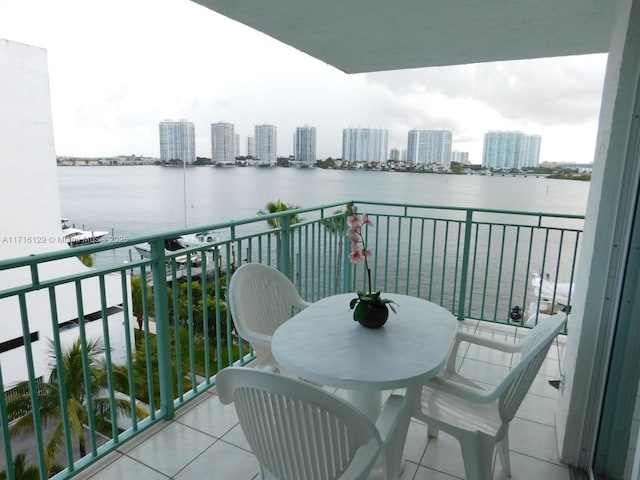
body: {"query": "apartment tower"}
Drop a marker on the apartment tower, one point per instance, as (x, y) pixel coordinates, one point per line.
(251, 147)
(510, 149)
(223, 144)
(460, 157)
(429, 146)
(266, 147)
(177, 141)
(304, 145)
(364, 145)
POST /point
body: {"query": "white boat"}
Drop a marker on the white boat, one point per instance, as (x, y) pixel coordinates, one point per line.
(172, 245)
(550, 291)
(549, 298)
(76, 237)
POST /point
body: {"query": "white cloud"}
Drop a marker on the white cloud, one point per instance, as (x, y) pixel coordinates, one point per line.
(118, 68)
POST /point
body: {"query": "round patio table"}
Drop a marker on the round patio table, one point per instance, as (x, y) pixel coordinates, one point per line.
(323, 344)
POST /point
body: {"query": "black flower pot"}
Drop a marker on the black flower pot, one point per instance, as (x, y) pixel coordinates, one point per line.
(371, 315)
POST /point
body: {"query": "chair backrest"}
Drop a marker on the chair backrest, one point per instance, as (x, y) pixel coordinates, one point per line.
(298, 431)
(534, 350)
(261, 298)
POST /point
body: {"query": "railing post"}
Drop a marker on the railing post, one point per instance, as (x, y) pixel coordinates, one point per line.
(285, 245)
(465, 264)
(163, 335)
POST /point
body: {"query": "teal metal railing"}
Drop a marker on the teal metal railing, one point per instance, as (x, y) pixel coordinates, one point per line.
(119, 348)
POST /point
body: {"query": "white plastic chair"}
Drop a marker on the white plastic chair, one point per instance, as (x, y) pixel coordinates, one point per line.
(300, 432)
(261, 299)
(480, 418)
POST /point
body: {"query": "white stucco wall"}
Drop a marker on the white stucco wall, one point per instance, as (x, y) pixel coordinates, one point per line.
(609, 215)
(28, 182)
(30, 211)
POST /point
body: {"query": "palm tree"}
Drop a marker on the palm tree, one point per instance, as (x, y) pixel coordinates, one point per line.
(21, 470)
(86, 259)
(276, 222)
(137, 301)
(72, 376)
(276, 207)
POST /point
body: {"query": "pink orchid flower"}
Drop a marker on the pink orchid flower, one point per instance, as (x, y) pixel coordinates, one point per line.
(356, 255)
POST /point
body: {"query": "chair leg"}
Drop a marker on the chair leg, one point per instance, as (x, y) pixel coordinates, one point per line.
(477, 454)
(503, 453)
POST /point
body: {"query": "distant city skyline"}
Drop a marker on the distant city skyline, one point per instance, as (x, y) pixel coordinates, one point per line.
(501, 149)
(107, 101)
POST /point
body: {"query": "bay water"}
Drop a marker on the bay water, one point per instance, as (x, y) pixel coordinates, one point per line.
(131, 201)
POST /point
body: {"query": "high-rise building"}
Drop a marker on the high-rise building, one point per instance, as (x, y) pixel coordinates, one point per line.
(222, 143)
(237, 145)
(510, 149)
(177, 141)
(460, 157)
(304, 145)
(266, 144)
(394, 154)
(530, 151)
(429, 146)
(364, 145)
(251, 147)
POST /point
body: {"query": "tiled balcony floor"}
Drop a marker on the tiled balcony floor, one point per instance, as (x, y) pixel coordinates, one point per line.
(205, 440)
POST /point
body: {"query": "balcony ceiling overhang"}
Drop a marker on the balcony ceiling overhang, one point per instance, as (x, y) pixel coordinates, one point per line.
(375, 35)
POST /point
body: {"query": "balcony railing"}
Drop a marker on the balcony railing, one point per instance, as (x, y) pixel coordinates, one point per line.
(166, 329)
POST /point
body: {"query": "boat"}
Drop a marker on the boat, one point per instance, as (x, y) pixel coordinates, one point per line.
(75, 237)
(550, 297)
(172, 245)
(552, 291)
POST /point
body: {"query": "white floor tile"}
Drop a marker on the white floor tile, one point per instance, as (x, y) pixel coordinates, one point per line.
(126, 467)
(538, 409)
(483, 372)
(409, 471)
(541, 387)
(425, 473)
(528, 468)
(416, 442)
(444, 455)
(236, 437)
(550, 367)
(533, 439)
(211, 417)
(171, 450)
(489, 355)
(223, 461)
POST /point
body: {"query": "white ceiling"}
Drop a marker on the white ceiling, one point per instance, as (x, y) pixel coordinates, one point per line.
(373, 35)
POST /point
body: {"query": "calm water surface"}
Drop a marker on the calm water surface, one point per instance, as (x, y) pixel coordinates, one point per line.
(134, 201)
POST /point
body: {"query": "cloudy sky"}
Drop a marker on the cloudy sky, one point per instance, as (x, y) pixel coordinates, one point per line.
(117, 68)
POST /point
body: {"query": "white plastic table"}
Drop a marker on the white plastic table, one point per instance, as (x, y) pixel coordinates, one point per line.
(325, 345)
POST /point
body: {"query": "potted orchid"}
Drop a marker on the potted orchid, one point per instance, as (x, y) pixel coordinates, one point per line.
(369, 309)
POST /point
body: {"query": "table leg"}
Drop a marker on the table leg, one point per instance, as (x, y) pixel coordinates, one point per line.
(369, 402)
